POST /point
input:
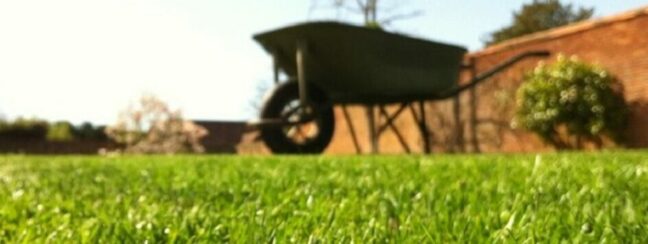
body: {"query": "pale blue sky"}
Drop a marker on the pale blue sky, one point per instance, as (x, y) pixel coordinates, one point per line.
(85, 60)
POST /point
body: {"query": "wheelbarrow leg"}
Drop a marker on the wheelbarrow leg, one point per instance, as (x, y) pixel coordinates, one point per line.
(422, 124)
(347, 118)
(371, 126)
(301, 73)
(390, 124)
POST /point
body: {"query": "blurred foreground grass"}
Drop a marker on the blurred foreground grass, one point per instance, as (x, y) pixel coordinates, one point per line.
(575, 197)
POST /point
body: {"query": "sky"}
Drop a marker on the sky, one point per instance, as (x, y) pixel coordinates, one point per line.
(86, 60)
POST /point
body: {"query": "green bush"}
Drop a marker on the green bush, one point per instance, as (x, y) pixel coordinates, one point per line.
(60, 131)
(87, 131)
(571, 102)
(22, 128)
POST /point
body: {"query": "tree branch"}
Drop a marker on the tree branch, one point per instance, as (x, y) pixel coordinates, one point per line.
(393, 18)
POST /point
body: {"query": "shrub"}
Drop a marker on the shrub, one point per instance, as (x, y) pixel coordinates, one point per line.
(23, 128)
(574, 98)
(87, 131)
(60, 131)
(154, 128)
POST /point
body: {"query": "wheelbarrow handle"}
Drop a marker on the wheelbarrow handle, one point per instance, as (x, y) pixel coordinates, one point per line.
(499, 68)
(542, 53)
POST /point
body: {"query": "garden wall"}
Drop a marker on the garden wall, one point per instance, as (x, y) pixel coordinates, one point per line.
(222, 138)
(40, 146)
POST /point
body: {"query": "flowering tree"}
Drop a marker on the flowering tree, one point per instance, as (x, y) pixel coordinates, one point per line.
(152, 127)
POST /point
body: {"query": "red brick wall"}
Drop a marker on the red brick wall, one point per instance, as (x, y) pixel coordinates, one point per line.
(40, 146)
(223, 136)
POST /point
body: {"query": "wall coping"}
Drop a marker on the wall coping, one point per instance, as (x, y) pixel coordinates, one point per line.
(562, 31)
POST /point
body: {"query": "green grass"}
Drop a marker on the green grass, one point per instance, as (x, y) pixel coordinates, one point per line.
(573, 197)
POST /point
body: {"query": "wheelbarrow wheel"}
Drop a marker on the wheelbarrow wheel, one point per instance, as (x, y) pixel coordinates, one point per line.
(311, 136)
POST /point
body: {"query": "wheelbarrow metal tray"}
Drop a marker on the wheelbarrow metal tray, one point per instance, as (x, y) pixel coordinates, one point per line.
(354, 64)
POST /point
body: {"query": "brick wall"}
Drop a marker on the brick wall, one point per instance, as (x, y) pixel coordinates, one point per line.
(40, 146)
(223, 136)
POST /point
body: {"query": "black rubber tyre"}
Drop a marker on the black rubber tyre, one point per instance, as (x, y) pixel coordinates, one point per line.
(281, 105)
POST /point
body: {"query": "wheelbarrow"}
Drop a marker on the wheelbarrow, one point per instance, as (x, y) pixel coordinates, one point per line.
(330, 63)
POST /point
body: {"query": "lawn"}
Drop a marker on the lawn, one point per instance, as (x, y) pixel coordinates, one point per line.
(575, 197)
